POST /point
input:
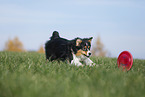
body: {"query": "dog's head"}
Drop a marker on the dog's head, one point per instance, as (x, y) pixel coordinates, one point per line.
(83, 46)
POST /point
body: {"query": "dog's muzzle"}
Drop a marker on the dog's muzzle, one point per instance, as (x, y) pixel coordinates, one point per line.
(88, 54)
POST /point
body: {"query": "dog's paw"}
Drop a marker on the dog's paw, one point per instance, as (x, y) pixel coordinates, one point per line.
(92, 64)
(97, 65)
(79, 64)
(72, 62)
(76, 63)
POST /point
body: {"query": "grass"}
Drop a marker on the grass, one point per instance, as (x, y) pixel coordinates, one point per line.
(29, 75)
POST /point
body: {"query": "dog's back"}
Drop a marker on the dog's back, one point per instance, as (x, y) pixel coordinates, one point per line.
(57, 48)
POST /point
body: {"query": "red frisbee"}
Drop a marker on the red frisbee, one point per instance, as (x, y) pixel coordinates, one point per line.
(125, 60)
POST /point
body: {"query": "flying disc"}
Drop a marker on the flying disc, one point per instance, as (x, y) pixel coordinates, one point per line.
(125, 60)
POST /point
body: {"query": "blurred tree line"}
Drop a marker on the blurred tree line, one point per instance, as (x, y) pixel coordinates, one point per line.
(17, 46)
(98, 48)
(14, 45)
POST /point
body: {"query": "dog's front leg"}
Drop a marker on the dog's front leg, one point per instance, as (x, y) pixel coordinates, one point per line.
(89, 62)
(76, 61)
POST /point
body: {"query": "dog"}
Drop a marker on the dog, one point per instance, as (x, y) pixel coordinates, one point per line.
(76, 51)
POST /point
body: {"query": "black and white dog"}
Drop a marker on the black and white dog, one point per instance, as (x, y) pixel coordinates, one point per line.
(76, 51)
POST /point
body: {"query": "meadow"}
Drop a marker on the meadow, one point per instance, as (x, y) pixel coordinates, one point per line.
(28, 74)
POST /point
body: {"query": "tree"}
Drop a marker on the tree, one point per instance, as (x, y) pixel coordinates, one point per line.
(98, 49)
(14, 45)
(41, 49)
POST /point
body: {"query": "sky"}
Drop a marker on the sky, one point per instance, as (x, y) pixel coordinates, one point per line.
(119, 23)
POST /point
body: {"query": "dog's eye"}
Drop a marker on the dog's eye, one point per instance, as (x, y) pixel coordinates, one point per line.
(85, 48)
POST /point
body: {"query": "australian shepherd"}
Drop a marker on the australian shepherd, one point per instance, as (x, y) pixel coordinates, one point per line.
(76, 51)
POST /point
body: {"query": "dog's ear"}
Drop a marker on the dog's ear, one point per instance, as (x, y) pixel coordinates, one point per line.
(90, 39)
(78, 42)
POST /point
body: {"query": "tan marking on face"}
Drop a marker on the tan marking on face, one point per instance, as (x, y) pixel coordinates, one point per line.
(84, 52)
(80, 52)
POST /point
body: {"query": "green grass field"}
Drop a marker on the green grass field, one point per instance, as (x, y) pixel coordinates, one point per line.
(29, 75)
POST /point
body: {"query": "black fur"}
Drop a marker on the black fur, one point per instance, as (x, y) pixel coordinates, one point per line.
(58, 48)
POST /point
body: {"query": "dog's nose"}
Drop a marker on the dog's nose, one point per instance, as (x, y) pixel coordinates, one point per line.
(89, 54)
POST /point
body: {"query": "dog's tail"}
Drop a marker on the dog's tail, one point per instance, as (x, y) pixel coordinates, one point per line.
(55, 35)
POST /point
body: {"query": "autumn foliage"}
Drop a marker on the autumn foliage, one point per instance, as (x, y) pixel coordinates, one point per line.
(98, 49)
(41, 49)
(14, 45)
